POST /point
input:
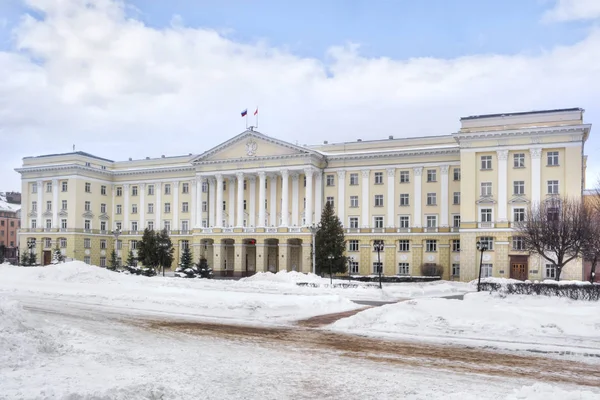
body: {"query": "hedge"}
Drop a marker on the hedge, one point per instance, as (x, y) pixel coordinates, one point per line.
(574, 292)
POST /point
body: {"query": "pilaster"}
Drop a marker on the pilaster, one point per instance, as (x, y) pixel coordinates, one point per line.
(285, 197)
(502, 185)
(391, 197)
(418, 197)
(295, 198)
(365, 204)
(444, 206)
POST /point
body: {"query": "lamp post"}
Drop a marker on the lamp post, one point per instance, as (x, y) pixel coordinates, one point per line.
(116, 234)
(350, 261)
(481, 247)
(378, 247)
(313, 230)
(30, 246)
(330, 257)
(163, 246)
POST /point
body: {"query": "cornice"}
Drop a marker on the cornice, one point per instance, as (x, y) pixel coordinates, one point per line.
(534, 132)
(63, 167)
(395, 153)
(239, 161)
(185, 168)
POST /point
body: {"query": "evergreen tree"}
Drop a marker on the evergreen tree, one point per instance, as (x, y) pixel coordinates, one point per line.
(32, 258)
(203, 270)
(165, 250)
(58, 255)
(329, 241)
(186, 259)
(131, 259)
(147, 249)
(25, 259)
(2, 250)
(114, 260)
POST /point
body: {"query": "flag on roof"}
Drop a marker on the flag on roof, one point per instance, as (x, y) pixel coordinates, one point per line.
(256, 112)
(244, 112)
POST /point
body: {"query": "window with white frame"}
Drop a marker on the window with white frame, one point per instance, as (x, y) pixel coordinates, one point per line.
(353, 222)
(103, 243)
(119, 209)
(553, 187)
(134, 190)
(103, 208)
(486, 270)
(378, 178)
(330, 180)
(185, 244)
(378, 221)
(167, 208)
(134, 209)
(134, 226)
(34, 206)
(486, 162)
(87, 259)
(103, 261)
(552, 158)
(47, 243)
(88, 187)
(87, 206)
(353, 179)
(185, 226)
(119, 244)
(185, 187)
(486, 214)
(377, 267)
(150, 208)
(431, 245)
(432, 221)
(204, 206)
(63, 223)
(404, 221)
(63, 242)
(519, 187)
(245, 184)
(403, 245)
(488, 242)
(456, 245)
(150, 190)
(133, 244)
(224, 185)
(205, 223)
(102, 225)
(550, 271)
(404, 200)
(431, 175)
(103, 190)
(49, 187)
(118, 225)
(63, 204)
(404, 177)
(330, 201)
(456, 198)
(185, 207)
(48, 224)
(151, 225)
(486, 189)
(204, 186)
(353, 245)
(431, 199)
(224, 205)
(34, 188)
(33, 224)
(119, 191)
(456, 221)
(403, 268)
(167, 188)
(455, 270)
(519, 160)
(49, 205)
(518, 214)
(353, 201)
(354, 267)
(378, 200)
(87, 224)
(87, 243)
(456, 172)
(167, 225)
(517, 243)
(64, 186)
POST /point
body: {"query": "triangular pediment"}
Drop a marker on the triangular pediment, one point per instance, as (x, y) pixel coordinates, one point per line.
(486, 200)
(104, 217)
(518, 200)
(251, 145)
(87, 214)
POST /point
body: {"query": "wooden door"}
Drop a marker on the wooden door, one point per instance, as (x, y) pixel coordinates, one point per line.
(47, 257)
(518, 271)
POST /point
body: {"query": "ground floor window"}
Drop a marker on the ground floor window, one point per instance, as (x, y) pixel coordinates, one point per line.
(455, 269)
(403, 269)
(87, 260)
(377, 267)
(486, 270)
(550, 271)
(354, 267)
(103, 261)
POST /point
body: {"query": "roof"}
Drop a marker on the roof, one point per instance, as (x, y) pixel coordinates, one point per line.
(78, 153)
(522, 113)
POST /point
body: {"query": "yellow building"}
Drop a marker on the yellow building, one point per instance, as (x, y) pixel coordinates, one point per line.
(246, 204)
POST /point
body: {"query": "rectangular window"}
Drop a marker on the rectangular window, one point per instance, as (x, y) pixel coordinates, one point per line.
(34, 206)
(431, 245)
(330, 201)
(118, 226)
(133, 244)
(552, 187)
(87, 259)
(431, 175)
(455, 270)
(88, 187)
(519, 160)
(63, 242)
(456, 221)
(456, 245)
(64, 186)
(204, 186)
(353, 179)
(103, 190)
(34, 188)
(486, 270)
(185, 226)
(431, 199)
(134, 226)
(48, 206)
(119, 209)
(486, 162)
(167, 188)
(167, 225)
(151, 225)
(378, 200)
(87, 206)
(185, 244)
(486, 215)
(167, 208)
(48, 224)
(103, 261)
(354, 267)
(185, 207)
(119, 191)
(404, 177)
(33, 224)
(518, 214)
(134, 209)
(150, 190)
(245, 205)
(87, 243)
(134, 190)
(204, 206)
(353, 222)
(103, 243)
(224, 205)
(488, 241)
(552, 158)
(102, 225)
(119, 245)
(224, 185)
(404, 221)
(330, 179)
(432, 221)
(486, 189)
(456, 198)
(550, 271)
(64, 205)
(150, 208)
(63, 223)
(404, 245)
(102, 208)
(353, 245)
(377, 267)
(205, 223)
(87, 224)
(378, 222)
(517, 243)
(403, 269)
(379, 178)
(404, 200)
(456, 172)
(519, 187)
(185, 188)
(353, 201)
(49, 187)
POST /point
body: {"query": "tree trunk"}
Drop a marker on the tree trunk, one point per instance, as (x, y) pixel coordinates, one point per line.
(593, 269)
(558, 272)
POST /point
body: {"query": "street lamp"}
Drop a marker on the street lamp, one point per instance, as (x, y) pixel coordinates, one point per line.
(350, 261)
(481, 247)
(163, 246)
(30, 246)
(330, 257)
(313, 230)
(378, 247)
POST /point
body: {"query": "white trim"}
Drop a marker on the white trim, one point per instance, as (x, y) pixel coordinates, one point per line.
(484, 149)
(396, 166)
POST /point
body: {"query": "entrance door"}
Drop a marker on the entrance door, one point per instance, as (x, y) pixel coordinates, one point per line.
(47, 257)
(518, 271)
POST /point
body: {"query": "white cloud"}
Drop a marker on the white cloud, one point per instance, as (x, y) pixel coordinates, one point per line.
(569, 10)
(102, 80)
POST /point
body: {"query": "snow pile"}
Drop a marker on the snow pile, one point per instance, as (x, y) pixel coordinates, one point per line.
(506, 281)
(283, 277)
(426, 289)
(542, 391)
(73, 271)
(483, 317)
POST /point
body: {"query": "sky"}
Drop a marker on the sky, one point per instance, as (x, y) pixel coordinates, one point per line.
(138, 78)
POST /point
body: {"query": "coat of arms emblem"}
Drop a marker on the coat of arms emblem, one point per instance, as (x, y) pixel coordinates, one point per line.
(251, 147)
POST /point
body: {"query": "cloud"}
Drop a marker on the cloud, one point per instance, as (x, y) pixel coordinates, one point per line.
(88, 73)
(570, 10)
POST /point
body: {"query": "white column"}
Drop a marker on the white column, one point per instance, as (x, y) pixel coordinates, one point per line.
(365, 204)
(213, 206)
(252, 201)
(231, 200)
(391, 197)
(126, 209)
(219, 205)
(240, 199)
(285, 200)
(536, 176)
(295, 199)
(142, 207)
(194, 209)
(175, 207)
(273, 200)
(262, 197)
(308, 193)
(418, 196)
(114, 206)
(341, 200)
(502, 185)
(40, 205)
(158, 205)
(55, 203)
(444, 217)
(318, 195)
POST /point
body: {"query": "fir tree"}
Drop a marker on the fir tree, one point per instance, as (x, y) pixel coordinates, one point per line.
(186, 259)
(2, 251)
(329, 241)
(203, 270)
(147, 249)
(25, 259)
(58, 255)
(32, 258)
(131, 259)
(114, 261)
(165, 250)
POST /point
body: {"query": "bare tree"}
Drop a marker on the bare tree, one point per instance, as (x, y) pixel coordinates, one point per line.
(591, 248)
(555, 229)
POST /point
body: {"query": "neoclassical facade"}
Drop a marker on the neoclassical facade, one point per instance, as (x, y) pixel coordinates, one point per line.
(247, 204)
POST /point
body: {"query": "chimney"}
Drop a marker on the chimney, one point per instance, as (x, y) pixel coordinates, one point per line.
(390, 137)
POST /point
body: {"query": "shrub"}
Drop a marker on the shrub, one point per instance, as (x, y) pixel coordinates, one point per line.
(571, 291)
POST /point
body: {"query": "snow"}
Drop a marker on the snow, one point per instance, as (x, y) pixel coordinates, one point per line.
(526, 322)
(506, 281)
(542, 391)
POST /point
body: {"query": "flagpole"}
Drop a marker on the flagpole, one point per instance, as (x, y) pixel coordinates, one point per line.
(246, 120)
(256, 117)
